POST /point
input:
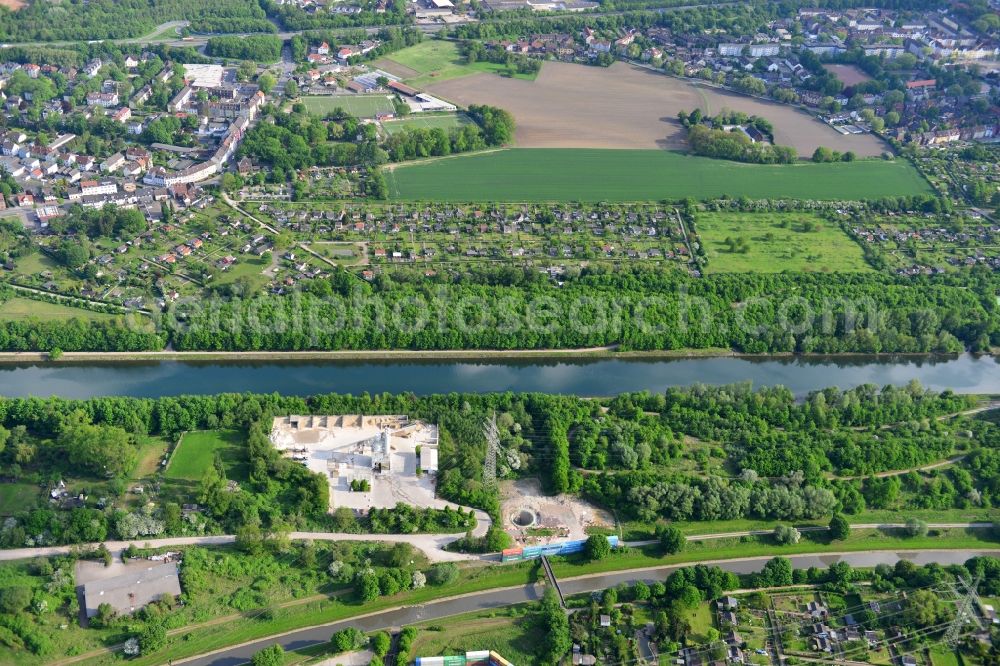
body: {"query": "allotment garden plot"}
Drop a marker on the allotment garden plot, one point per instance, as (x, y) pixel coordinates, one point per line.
(771, 243)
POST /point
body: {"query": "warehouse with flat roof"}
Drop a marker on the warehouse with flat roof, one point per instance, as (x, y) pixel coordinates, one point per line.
(131, 591)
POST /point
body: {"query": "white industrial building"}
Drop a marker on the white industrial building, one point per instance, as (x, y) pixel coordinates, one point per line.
(379, 449)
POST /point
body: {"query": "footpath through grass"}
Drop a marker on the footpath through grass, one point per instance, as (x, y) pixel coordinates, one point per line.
(764, 546)
(566, 174)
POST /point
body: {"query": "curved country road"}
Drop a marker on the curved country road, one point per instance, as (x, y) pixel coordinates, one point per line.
(302, 638)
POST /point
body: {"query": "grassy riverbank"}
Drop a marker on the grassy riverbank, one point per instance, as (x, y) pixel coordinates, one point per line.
(429, 354)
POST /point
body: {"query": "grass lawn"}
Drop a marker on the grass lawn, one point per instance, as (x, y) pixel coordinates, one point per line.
(27, 308)
(701, 621)
(361, 106)
(515, 638)
(941, 655)
(634, 530)
(248, 267)
(196, 451)
(151, 452)
(17, 497)
(564, 174)
(34, 263)
(421, 121)
(771, 243)
(436, 60)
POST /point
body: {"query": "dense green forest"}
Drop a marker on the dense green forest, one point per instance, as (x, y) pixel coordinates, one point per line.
(119, 19)
(296, 18)
(259, 48)
(520, 308)
(514, 308)
(687, 454)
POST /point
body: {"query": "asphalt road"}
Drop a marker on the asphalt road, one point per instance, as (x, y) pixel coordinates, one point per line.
(303, 638)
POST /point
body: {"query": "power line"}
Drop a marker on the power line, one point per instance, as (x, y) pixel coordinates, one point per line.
(492, 444)
(966, 601)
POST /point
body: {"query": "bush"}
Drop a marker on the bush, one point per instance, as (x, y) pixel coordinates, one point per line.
(380, 643)
(347, 639)
(444, 573)
(672, 540)
(15, 599)
(786, 535)
(597, 547)
(840, 529)
(152, 637)
(916, 527)
(272, 655)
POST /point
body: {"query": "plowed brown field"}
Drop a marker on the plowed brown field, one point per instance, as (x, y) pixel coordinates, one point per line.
(624, 106)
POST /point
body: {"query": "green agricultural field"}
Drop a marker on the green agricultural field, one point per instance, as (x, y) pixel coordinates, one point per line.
(771, 243)
(420, 121)
(563, 174)
(433, 60)
(196, 452)
(360, 106)
(26, 308)
(17, 497)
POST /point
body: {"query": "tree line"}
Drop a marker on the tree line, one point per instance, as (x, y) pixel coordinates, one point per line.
(638, 309)
(119, 19)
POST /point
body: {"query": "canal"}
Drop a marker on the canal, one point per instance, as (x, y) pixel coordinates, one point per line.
(587, 377)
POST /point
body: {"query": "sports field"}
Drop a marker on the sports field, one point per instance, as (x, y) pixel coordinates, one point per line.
(435, 60)
(562, 174)
(775, 242)
(421, 121)
(360, 106)
(196, 452)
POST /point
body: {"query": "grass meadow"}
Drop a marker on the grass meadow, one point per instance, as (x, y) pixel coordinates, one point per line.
(423, 121)
(771, 243)
(433, 61)
(567, 174)
(16, 309)
(196, 452)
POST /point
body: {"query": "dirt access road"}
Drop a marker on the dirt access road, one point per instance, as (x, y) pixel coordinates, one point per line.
(626, 106)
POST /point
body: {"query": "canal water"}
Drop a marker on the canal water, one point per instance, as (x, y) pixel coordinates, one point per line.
(587, 377)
